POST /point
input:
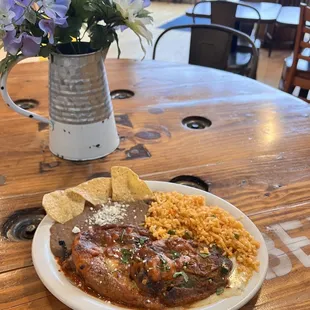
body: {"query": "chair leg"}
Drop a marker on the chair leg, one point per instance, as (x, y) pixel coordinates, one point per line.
(273, 36)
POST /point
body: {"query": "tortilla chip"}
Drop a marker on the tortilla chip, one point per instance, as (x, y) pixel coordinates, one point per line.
(63, 206)
(126, 185)
(96, 191)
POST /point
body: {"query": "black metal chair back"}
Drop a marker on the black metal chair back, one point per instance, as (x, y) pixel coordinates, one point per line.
(224, 13)
(210, 46)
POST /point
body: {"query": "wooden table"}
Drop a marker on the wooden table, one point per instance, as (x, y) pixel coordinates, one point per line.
(268, 11)
(256, 154)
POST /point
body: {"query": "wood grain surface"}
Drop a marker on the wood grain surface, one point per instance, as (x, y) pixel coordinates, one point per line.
(256, 155)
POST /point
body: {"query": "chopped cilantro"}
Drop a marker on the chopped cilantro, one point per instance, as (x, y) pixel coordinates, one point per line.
(219, 290)
(181, 273)
(237, 236)
(224, 271)
(204, 255)
(122, 235)
(126, 256)
(164, 265)
(171, 232)
(175, 254)
(213, 215)
(142, 240)
(187, 235)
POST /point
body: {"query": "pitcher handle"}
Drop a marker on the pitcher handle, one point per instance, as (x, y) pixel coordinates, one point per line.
(6, 97)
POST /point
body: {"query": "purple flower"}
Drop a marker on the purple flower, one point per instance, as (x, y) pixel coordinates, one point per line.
(49, 25)
(146, 3)
(6, 15)
(12, 44)
(28, 44)
(31, 45)
(18, 8)
(55, 8)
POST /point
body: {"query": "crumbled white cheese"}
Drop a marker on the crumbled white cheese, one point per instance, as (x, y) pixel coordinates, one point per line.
(76, 230)
(109, 214)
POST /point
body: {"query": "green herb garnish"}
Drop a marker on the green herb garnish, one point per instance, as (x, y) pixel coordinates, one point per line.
(204, 255)
(219, 290)
(142, 240)
(237, 236)
(164, 265)
(213, 215)
(126, 256)
(224, 271)
(122, 235)
(187, 235)
(175, 254)
(171, 232)
(181, 273)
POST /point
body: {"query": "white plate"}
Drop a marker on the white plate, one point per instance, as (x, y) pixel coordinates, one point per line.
(55, 281)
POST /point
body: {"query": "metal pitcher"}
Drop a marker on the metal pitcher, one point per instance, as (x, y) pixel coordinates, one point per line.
(82, 124)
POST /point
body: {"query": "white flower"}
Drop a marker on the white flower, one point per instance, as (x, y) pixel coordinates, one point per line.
(135, 17)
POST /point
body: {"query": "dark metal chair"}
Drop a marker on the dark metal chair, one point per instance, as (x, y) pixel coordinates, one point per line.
(225, 13)
(210, 47)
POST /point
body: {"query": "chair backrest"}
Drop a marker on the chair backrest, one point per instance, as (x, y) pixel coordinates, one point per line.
(303, 30)
(210, 46)
(224, 13)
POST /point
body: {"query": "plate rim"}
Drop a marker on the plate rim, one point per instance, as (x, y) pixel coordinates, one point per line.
(37, 253)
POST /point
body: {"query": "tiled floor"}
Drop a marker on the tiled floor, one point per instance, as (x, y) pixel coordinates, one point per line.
(269, 69)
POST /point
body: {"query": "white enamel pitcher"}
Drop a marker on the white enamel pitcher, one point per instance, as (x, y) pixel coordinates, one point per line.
(81, 124)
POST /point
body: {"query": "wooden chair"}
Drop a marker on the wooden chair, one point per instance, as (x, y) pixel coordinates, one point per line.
(296, 72)
(287, 18)
(210, 47)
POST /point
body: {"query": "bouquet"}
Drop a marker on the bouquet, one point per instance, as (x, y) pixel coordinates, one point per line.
(35, 28)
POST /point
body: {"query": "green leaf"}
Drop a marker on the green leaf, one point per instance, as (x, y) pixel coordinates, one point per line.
(122, 235)
(175, 254)
(117, 43)
(181, 273)
(224, 271)
(237, 236)
(187, 235)
(219, 290)
(126, 256)
(78, 8)
(30, 15)
(65, 35)
(45, 51)
(142, 240)
(171, 232)
(100, 37)
(204, 255)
